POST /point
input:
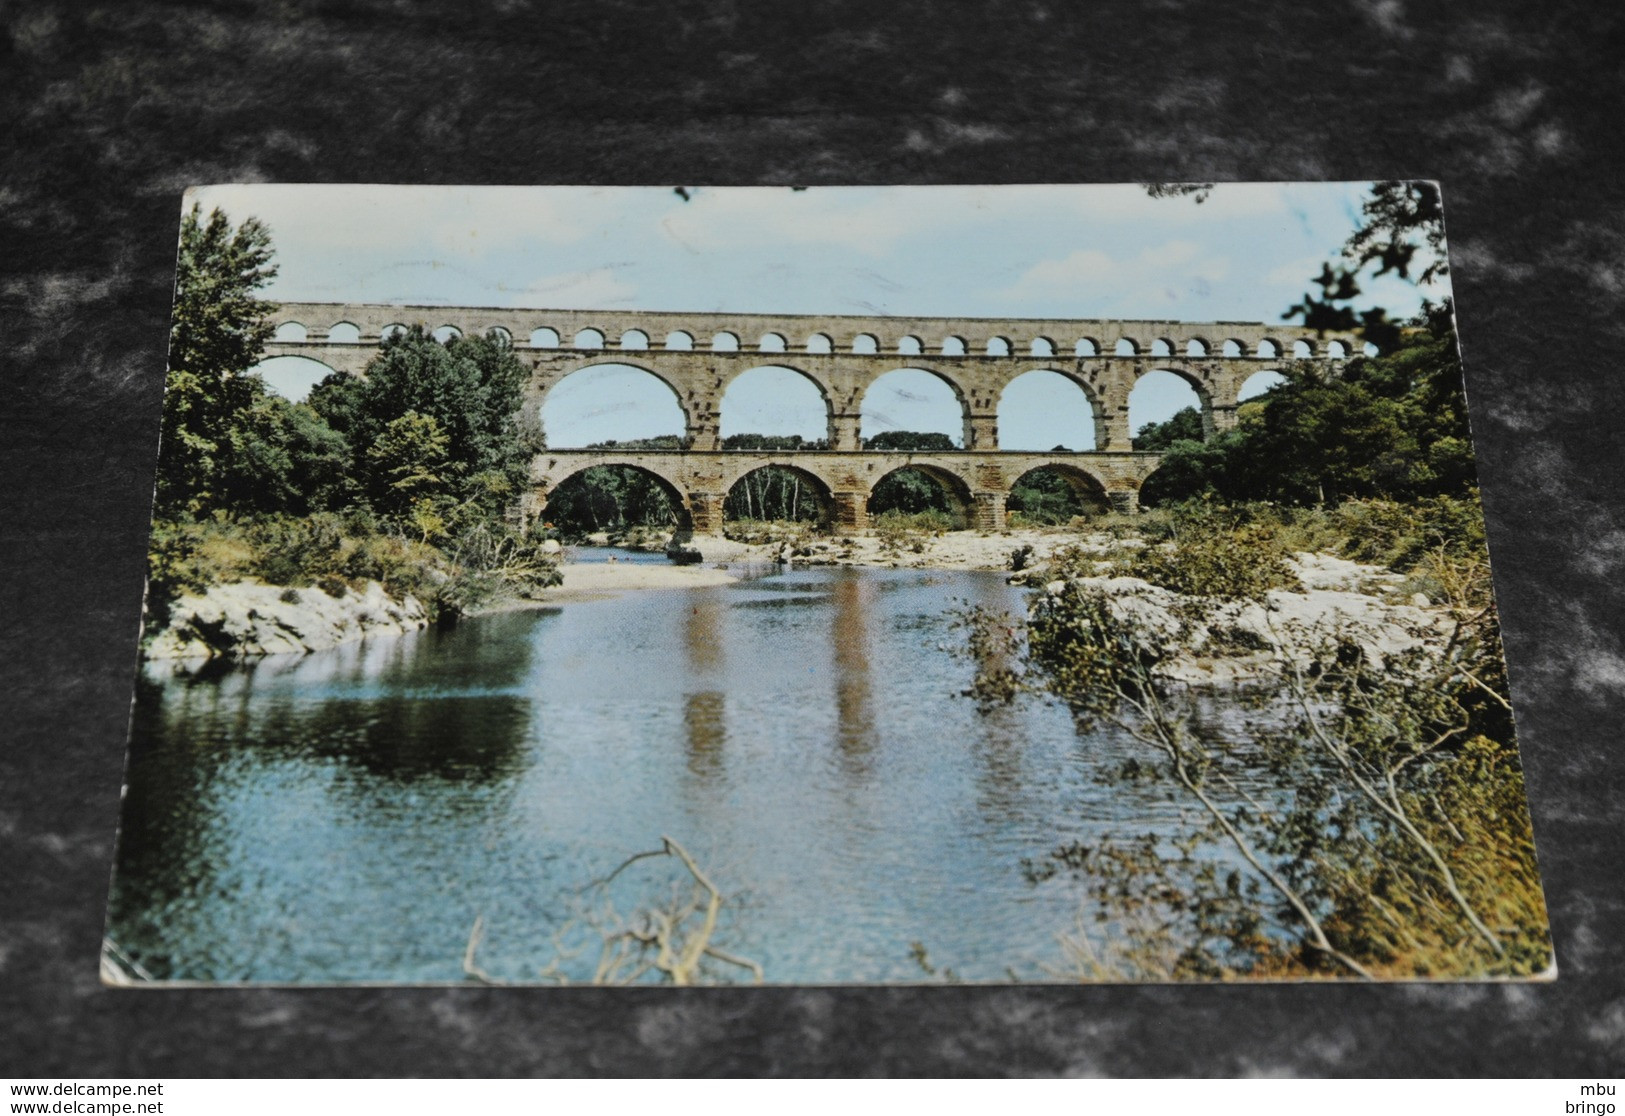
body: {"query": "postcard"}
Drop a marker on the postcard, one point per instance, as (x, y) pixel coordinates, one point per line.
(852, 585)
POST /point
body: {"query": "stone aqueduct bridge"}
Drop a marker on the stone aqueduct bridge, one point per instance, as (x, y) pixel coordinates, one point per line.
(698, 355)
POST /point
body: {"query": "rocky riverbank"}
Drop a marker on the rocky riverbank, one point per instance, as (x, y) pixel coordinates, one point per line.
(1203, 640)
(955, 550)
(1199, 640)
(244, 619)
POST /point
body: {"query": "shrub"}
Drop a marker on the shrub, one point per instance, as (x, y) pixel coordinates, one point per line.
(402, 566)
(1401, 535)
(175, 564)
(898, 529)
(1210, 559)
(764, 532)
(296, 551)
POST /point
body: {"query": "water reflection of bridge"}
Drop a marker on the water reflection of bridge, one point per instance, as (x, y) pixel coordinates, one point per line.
(697, 355)
(705, 706)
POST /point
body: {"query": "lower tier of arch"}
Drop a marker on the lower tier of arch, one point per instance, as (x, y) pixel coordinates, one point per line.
(702, 480)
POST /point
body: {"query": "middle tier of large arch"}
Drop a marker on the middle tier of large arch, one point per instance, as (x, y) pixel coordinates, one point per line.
(700, 379)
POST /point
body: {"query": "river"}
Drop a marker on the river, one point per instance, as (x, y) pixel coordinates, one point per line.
(346, 815)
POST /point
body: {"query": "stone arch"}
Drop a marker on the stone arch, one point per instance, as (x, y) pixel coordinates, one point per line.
(1086, 347)
(771, 343)
(1126, 346)
(1161, 347)
(953, 346)
(1257, 384)
(951, 484)
(1041, 346)
(997, 346)
(909, 345)
(634, 340)
(499, 333)
(820, 343)
(1057, 399)
(1303, 349)
(1196, 347)
(1084, 493)
(292, 377)
(821, 399)
(865, 344)
(534, 415)
(291, 331)
(554, 477)
(544, 337)
(725, 342)
(588, 338)
(1170, 400)
(393, 329)
(961, 400)
(344, 333)
(1269, 349)
(809, 486)
(680, 341)
(446, 333)
(1232, 348)
(1337, 350)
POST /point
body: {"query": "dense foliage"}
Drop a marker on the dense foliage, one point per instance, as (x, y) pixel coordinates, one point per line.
(1044, 497)
(775, 492)
(432, 429)
(1402, 224)
(910, 441)
(403, 475)
(1391, 427)
(769, 442)
(217, 333)
(1375, 820)
(1184, 426)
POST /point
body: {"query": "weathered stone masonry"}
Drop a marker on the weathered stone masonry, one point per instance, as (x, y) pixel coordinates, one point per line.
(698, 355)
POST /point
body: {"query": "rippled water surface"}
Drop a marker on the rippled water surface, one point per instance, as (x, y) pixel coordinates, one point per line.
(347, 814)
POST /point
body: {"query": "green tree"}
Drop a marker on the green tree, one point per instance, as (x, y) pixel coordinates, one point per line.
(1392, 426)
(771, 442)
(609, 498)
(773, 492)
(217, 334)
(407, 464)
(1185, 425)
(1402, 223)
(912, 491)
(1045, 496)
(910, 441)
(471, 389)
(284, 458)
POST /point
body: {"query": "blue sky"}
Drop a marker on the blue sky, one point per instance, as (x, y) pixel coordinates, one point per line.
(1245, 254)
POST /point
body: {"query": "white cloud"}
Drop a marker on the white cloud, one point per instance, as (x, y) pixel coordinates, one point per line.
(1061, 250)
(1162, 280)
(408, 220)
(1299, 272)
(577, 290)
(858, 220)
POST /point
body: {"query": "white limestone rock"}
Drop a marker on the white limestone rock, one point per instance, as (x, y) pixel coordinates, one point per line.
(245, 619)
(1208, 641)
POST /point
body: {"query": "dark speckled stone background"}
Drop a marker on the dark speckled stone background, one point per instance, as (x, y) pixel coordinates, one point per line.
(109, 110)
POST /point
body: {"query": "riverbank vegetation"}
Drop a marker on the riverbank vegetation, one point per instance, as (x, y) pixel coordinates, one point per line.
(403, 476)
(1371, 820)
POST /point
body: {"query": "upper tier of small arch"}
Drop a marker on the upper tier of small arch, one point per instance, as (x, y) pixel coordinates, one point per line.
(1005, 338)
